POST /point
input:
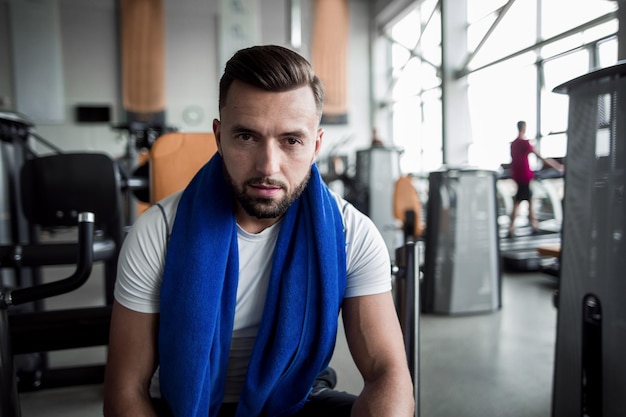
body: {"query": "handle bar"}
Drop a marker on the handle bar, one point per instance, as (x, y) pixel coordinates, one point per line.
(78, 278)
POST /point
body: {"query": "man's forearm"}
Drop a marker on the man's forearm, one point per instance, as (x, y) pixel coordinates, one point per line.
(553, 163)
(127, 407)
(389, 396)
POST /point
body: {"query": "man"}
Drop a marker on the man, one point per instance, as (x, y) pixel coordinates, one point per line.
(238, 304)
(521, 173)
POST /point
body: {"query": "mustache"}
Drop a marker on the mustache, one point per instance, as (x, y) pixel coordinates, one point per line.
(265, 181)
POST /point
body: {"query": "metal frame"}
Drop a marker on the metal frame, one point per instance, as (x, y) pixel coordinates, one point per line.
(9, 400)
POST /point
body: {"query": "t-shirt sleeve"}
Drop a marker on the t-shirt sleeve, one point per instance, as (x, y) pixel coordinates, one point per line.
(367, 257)
(141, 260)
(529, 147)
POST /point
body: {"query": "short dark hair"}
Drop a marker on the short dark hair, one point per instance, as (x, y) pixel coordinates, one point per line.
(521, 124)
(271, 68)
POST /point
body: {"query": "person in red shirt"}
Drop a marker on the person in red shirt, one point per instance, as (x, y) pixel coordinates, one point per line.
(523, 175)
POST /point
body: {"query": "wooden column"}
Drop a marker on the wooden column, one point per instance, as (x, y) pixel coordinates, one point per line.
(142, 25)
(330, 56)
(143, 56)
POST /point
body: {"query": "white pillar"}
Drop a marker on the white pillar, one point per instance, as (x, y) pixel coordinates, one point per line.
(456, 120)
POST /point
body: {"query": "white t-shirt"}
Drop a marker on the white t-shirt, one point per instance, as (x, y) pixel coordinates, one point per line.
(142, 258)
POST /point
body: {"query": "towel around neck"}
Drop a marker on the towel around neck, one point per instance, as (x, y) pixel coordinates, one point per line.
(296, 336)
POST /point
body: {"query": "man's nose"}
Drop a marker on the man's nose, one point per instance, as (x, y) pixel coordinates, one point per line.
(268, 158)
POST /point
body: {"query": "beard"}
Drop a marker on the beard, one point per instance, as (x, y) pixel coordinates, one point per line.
(263, 207)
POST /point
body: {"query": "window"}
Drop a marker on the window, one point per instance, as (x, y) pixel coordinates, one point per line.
(516, 30)
(412, 95)
(554, 111)
(558, 16)
(515, 66)
(513, 79)
(499, 97)
(607, 52)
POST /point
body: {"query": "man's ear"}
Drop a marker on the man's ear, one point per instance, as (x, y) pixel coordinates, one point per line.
(218, 134)
(319, 138)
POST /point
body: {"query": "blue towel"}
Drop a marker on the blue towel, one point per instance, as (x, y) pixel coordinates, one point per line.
(297, 333)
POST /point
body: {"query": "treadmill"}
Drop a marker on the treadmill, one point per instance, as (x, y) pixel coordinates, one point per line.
(519, 252)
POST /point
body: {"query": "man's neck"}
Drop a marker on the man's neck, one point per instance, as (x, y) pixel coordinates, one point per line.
(252, 224)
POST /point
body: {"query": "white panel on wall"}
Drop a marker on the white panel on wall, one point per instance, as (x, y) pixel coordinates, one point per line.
(37, 60)
(240, 27)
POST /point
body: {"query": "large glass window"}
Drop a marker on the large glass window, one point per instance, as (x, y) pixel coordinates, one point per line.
(500, 96)
(515, 31)
(554, 110)
(412, 95)
(513, 80)
(558, 16)
(518, 55)
(607, 52)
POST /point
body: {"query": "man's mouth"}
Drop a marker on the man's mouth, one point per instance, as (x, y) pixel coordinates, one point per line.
(264, 189)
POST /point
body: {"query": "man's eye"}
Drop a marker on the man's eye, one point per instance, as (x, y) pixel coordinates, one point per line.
(293, 141)
(245, 136)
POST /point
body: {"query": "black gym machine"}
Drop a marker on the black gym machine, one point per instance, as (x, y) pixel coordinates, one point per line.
(27, 254)
(406, 292)
(45, 196)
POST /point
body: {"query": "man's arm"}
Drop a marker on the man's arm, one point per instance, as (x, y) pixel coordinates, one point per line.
(553, 163)
(375, 341)
(131, 362)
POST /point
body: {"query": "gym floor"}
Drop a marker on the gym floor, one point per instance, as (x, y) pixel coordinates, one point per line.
(495, 364)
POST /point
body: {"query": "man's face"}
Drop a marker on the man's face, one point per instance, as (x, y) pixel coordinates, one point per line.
(268, 142)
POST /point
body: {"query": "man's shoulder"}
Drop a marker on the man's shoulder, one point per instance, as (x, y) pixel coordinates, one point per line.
(521, 143)
(345, 207)
(163, 211)
(353, 219)
(171, 202)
